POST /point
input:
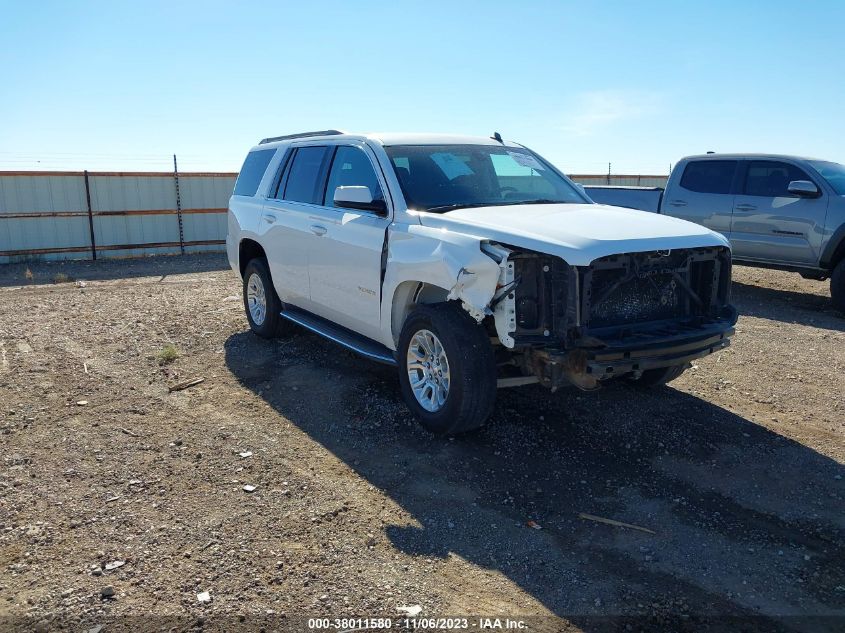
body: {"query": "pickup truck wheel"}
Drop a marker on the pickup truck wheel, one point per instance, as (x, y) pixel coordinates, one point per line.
(837, 286)
(659, 377)
(447, 369)
(261, 303)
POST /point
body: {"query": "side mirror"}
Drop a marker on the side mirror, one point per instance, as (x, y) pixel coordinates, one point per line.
(358, 197)
(803, 189)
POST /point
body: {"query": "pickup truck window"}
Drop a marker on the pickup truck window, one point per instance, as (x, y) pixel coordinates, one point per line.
(446, 177)
(833, 173)
(253, 171)
(304, 176)
(709, 176)
(770, 179)
(351, 167)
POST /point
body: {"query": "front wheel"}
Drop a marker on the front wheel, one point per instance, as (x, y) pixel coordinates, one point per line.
(837, 286)
(447, 369)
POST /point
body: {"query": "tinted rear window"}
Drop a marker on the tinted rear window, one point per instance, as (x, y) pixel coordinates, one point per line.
(709, 176)
(253, 171)
(304, 176)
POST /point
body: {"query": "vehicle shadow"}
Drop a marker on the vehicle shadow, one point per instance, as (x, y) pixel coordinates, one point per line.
(748, 527)
(787, 306)
(38, 273)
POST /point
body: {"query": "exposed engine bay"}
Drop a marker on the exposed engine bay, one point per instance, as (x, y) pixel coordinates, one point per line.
(621, 315)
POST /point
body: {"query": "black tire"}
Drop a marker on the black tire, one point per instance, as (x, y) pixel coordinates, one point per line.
(837, 286)
(660, 376)
(271, 325)
(472, 368)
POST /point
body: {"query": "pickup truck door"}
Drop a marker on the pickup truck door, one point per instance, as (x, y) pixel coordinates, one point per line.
(771, 224)
(704, 194)
(285, 222)
(345, 256)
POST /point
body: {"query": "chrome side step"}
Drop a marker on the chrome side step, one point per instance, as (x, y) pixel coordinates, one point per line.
(350, 340)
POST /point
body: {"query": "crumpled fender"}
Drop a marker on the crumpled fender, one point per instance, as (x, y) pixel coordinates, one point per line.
(452, 261)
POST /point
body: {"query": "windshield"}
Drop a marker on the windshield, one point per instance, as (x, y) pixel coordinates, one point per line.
(440, 178)
(834, 173)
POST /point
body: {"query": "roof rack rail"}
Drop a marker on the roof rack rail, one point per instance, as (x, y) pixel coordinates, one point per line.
(272, 139)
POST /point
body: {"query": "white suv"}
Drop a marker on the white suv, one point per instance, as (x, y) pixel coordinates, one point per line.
(471, 263)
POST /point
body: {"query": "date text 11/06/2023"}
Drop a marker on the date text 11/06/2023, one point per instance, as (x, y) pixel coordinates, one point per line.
(413, 623)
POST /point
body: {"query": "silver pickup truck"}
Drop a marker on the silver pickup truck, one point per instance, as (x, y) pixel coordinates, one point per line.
(777, 211)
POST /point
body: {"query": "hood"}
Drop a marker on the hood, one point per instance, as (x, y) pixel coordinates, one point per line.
(579, 233)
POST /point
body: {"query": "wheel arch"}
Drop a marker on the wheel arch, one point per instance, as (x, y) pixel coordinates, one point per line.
(835, 250)
(408, 294)
(427, 265)
(249, 249)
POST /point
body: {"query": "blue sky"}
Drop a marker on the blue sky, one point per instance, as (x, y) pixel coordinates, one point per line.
(121, 85)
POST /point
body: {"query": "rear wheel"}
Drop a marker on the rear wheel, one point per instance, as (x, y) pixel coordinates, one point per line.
(659, 377)
(447, 369)
(261, 303)
(837, 286)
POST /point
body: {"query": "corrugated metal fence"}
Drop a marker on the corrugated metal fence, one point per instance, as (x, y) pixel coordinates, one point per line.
(621, 180)
(82, 215)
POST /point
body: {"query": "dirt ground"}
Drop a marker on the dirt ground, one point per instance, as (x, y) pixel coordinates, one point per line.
(736, 468)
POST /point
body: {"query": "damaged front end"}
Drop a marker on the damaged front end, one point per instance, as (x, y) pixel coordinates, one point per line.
(621, 315)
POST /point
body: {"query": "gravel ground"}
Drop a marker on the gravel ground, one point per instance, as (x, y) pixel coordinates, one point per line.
(736, 469)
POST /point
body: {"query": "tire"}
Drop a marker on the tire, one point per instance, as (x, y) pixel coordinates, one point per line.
(658, 377)
(470, 369)
(257, 283)
(837, 286)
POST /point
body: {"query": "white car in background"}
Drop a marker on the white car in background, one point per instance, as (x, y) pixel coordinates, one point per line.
(471, 264)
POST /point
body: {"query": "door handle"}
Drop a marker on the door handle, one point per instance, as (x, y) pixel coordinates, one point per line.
(269, 218)
(745, 207)
(678, 203)
(317, 229)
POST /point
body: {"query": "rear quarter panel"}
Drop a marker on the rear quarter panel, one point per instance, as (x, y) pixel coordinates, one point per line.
(243, 218)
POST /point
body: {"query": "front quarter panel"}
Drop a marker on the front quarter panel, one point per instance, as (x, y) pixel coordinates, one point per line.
(447, 260)
(833, 242)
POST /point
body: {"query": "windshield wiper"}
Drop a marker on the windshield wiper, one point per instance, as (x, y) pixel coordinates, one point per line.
(501, 203)
(537, 201)
(460, 205)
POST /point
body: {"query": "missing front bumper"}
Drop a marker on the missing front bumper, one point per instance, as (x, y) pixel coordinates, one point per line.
(586, 368)
(608, 363)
